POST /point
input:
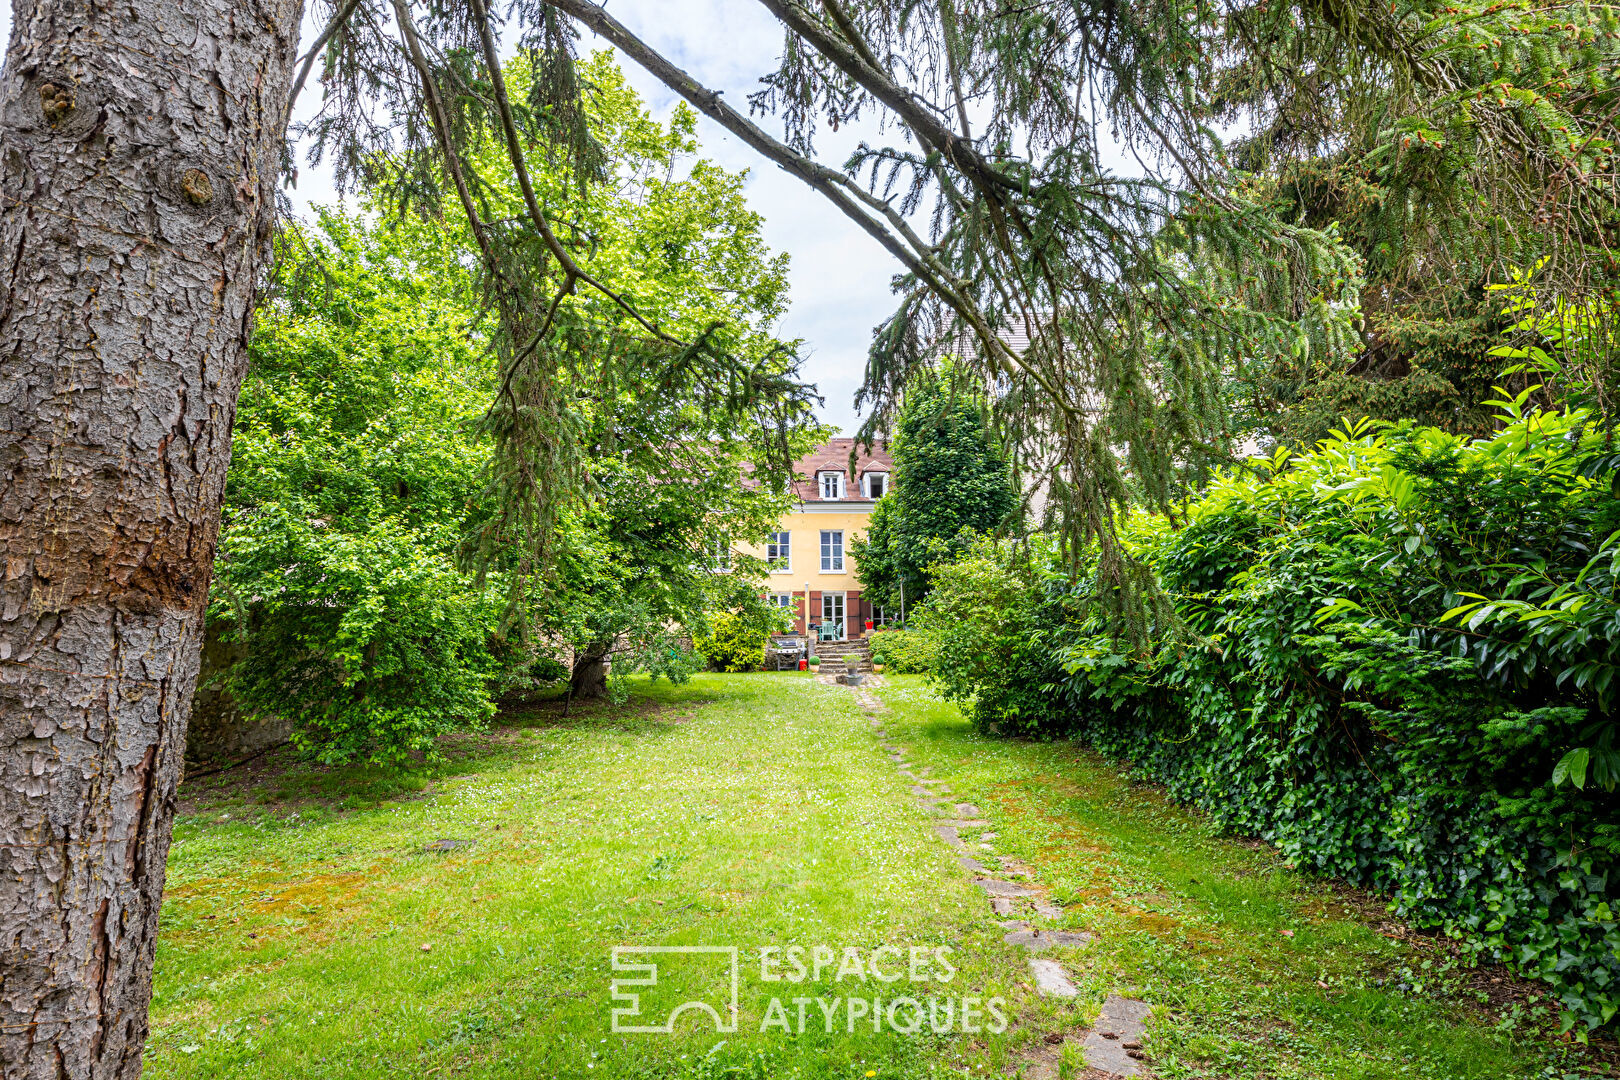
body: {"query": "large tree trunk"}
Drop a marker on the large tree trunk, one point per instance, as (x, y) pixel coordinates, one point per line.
(139, 145)
(589, 678)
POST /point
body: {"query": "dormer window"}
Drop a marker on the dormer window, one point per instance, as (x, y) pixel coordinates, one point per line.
(874, 485)
(832, 486)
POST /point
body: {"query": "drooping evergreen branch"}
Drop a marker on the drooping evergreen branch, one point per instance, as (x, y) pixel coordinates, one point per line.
(1473, 138)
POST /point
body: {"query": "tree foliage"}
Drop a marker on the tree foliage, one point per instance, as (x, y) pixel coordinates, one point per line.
(1403, 659)
(546, 171)
(365, 460)
(951, 484)
(353, 476)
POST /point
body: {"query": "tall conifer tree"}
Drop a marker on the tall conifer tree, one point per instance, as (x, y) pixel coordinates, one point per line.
(951, 484)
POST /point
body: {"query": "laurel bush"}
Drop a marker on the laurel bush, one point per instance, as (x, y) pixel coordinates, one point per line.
(1392, 658)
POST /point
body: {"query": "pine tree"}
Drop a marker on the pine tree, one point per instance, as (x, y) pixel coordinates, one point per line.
(137, 202)
(1488, 127)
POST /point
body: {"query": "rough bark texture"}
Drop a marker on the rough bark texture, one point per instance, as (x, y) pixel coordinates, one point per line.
(589, 677)
(138, 152)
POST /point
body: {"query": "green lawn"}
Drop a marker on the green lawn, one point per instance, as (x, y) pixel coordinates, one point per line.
(308, 930)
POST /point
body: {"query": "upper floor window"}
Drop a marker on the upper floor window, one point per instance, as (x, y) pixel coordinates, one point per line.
(720, 554)
(779, 551)
(875, 484)
(832, 485)
(832, 551)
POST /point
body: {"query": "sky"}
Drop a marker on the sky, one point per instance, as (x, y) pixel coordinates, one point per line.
(839, 275)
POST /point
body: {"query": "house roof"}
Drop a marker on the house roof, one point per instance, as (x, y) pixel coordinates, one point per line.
(833, 456)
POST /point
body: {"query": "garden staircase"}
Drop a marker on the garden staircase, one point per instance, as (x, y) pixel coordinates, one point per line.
(833, 653)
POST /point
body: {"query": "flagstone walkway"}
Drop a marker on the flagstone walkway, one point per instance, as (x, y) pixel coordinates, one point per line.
(1115, 1044)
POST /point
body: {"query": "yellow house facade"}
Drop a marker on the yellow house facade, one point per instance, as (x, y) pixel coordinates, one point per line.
(809, 554)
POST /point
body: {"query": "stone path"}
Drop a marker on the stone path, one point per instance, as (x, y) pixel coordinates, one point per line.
(1115, 1045)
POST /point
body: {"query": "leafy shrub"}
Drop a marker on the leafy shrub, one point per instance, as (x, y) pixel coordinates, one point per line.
(1389, 652)
(905, 652)
(732, 644)
(370, 643)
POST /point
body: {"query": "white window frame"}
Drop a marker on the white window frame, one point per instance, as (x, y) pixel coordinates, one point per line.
(783, 543)
(866, 484)
(832, 482)
(842, 605)
(832, 551)
(720, 556)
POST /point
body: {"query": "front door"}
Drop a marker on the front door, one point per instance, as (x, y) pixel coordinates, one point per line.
(832, 611)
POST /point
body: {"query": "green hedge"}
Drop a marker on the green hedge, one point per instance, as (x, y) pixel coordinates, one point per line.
(904, 652)
(733, 644)
(1387, 651)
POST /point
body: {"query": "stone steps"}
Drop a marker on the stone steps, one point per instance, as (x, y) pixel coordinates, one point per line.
(833, 654)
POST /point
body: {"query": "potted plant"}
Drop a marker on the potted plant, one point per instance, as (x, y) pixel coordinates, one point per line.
(815, 664)
(877, 667)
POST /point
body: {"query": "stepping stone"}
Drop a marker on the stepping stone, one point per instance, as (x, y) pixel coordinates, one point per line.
(931, 780)
(988, 836)
(1014, 924)
(1001, 888)
(1047, 911)
(1123, 1018)
(921, 792)
(1002, 905)
(971, 864)
(967, 810)
(1052, 981)
(968, 823)
(1036, 939)
(947, 833)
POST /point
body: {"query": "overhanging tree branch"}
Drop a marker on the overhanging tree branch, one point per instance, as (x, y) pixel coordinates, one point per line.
(849, 197)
